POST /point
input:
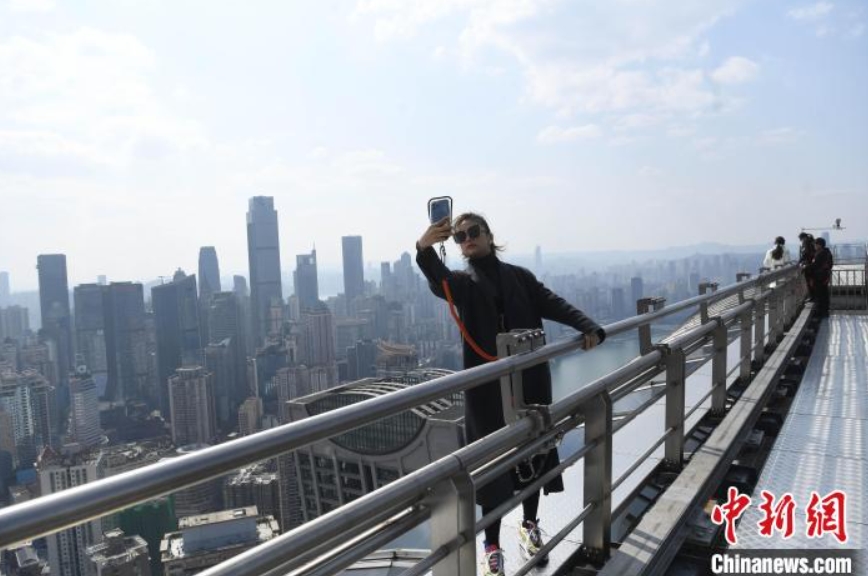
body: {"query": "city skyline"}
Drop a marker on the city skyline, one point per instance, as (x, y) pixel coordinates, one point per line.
(621, 127)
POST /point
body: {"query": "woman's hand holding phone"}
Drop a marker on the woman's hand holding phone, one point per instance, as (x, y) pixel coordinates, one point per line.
(438, 232)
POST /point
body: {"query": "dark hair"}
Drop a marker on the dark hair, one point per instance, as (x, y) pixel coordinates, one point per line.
(477, 219)
(778, 252)
(821, 241)
(803, 235)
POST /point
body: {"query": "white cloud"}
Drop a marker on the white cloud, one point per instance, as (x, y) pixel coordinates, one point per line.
(736, 70)
(856, 30)
(627, 59)
(559, 135)
(90, 95)
(811, 12)
(31, 5)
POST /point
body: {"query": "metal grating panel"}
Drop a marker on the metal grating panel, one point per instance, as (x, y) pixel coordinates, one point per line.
(823, 445)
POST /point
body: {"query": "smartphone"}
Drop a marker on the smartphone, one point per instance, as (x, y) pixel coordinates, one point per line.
(439, 208)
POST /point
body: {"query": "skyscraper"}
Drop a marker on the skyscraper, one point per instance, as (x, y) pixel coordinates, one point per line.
(637, 291)
(176, 319)
(126, 341)
(220, 362)
(90, 334)
(84, 409)
(29, 399)
(306, 285)
(209, 272)
(5, 291)
(354, 269)
(54, 308)
(14, 322)
(191, 405)
(67, 548)
(263, 255)
(318, 336)
(226, 329)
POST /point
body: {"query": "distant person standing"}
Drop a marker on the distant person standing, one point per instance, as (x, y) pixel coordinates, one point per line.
(820, 272)
(777, 256)
(806, 256)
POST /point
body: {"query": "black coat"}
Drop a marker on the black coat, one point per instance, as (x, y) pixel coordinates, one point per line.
(525, 302)
(820, 268)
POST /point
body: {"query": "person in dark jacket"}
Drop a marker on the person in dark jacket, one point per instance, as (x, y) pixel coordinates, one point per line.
(806, 256)
(820, 272)
(491, 297)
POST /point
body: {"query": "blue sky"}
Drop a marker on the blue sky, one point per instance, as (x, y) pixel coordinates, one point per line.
(133, 132)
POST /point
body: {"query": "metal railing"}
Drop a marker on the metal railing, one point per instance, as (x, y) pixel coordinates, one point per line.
(443, 492)
(848, 289)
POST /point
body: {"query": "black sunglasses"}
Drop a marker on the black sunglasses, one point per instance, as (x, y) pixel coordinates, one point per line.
(472, 233)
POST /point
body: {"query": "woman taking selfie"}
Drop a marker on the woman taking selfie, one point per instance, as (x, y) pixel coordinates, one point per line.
(494, 297)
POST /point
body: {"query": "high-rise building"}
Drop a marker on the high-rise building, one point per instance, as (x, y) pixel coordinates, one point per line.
(226, 321)
(239, 286)
(176, 321)
(5, 291)
(84, 410)
(14, 323)
(263, 254)
(102, 280)
(250, 415)
(205, 540)
(191, 405)
(332, 472)
(220, 362)
(253, 486)
(354, 269)
(387, 283)
(67, 549)
(126, 341)
(90, 332)
(537, 260)
(119, 555)
(318, 335)
(209, 272)
(30, 400)
(209, 283)
(54, 308)
(111, 336)
(619, 306)
(637, 292)
(306, 284)
(362, 360)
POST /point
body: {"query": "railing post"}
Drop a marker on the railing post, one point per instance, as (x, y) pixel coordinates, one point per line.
(759, 326)
(718, 369)
(775, 315)
(675, 378)
(511, 385)
(745, 321)
(643, 306)
(453, 512)
(597, 527)
(703, 308)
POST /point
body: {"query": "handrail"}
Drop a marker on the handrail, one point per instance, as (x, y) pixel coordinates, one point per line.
(71, 507)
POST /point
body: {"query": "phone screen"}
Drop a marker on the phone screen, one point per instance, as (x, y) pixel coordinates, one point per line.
(440, 209)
